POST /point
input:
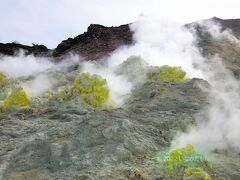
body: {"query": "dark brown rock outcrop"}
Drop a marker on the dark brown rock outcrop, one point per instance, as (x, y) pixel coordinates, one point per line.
(97, 42)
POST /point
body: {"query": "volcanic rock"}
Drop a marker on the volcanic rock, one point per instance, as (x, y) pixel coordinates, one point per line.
(99, 41)
(10, 49)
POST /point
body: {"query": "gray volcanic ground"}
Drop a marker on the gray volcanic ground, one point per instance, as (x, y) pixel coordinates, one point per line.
(61, 135)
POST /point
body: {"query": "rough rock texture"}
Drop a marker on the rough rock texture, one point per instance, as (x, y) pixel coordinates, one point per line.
(230, 24)
(70, 141)
(10, 49)
(228, 51)
(99, 41)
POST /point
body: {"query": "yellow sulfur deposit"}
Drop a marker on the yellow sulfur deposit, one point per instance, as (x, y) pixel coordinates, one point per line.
(178, 156)
(66, 93)
(197, 173)
(93, 89)
(187, 162)
(3, 78)
(18, 97)
(166, 73)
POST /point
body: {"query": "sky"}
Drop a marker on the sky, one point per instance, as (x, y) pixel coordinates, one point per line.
(49, 22)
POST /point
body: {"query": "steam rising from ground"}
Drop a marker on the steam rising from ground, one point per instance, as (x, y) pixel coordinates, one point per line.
(214, 29)
(40, 84)
(35, 69)
(158, 43)
(219, 123)
(119, 85)
(22, 65)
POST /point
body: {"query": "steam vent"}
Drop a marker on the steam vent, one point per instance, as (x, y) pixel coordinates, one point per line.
(148, 100)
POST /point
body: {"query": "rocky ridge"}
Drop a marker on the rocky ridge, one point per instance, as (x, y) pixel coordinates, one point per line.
(97, 42)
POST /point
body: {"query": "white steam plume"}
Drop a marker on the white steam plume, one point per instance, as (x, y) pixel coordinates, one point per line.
(40, 84)
(118, 85)
(21, 65)
(37, 68)
(219, 123)
(214, 29)
(159, 43)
